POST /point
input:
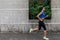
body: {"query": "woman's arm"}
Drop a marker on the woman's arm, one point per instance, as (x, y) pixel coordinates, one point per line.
(46, 16)
(39, 17)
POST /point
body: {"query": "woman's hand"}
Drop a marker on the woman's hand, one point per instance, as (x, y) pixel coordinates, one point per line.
(47, 16)
(41, 19)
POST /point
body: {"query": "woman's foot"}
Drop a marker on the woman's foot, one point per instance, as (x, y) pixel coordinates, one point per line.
(30, 30)
(45, 38)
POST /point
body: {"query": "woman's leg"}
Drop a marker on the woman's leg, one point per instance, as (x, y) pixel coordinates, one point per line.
(36, 28)
(39, 27)
(44, 31)
(33, 29)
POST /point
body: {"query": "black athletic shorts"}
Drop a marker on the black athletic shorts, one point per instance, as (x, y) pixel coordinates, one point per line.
(42, 24)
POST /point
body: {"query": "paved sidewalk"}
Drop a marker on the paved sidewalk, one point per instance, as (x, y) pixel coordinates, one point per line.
(28, 36)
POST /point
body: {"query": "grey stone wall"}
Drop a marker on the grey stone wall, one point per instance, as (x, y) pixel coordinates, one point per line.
(13, 15)
(55, 7)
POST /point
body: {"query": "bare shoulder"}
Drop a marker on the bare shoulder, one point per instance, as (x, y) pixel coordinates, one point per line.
(40, 13)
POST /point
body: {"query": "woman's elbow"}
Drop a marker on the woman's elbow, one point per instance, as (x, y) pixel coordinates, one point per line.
(37, 16)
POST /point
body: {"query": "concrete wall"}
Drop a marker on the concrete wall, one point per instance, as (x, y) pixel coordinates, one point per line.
(55, 6)
(55, 11)
(13, 15)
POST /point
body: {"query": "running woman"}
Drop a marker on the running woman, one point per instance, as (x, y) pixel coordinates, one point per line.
(41, 17)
